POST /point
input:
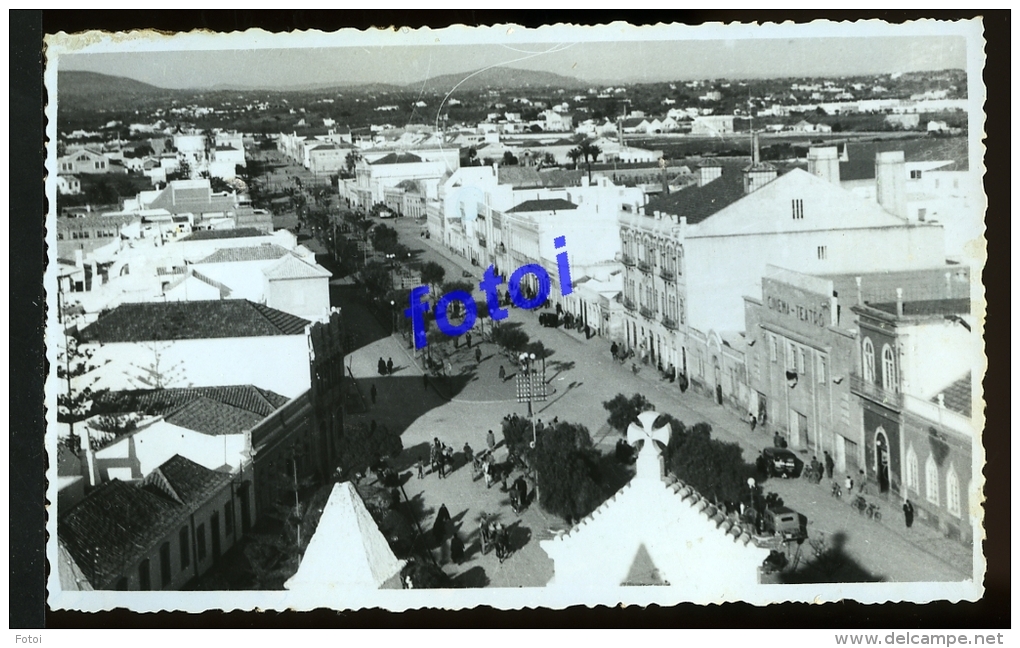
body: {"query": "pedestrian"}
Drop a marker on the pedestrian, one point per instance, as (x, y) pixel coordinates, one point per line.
(439, 526)
(441, 463)
(829, 464)
(467, 337)
(456, 548)
(469, 454)
(863, 482)
(752, 420)
(389, 366)
(487, 471)
(848, 483)
(382, 367)
(908, 513)
(478, 355)
(373, 393)
(777, 440)
(490, 440)
(425, 381)
(614, 349)
(502, 373)
(448, 456)
(420, 467)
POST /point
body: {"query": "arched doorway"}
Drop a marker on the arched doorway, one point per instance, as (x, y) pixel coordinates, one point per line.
(882, 460)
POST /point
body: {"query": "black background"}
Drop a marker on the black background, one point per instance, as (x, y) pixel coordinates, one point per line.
(28, 459)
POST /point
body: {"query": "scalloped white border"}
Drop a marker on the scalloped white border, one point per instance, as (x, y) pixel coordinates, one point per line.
(556, 598)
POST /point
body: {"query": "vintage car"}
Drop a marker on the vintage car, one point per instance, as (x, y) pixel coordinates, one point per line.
(785, 522)
(779, 462)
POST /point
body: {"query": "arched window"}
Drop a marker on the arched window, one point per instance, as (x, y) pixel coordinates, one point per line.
(680, 259)
(888, 369)
(868, 359)
(913, 481)
(931, 480)
(952, 492)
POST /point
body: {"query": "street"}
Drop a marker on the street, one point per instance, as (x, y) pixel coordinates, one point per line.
(581, 375)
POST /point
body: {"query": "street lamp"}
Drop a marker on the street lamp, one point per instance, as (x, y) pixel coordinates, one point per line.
(393, 318)
(527, 359)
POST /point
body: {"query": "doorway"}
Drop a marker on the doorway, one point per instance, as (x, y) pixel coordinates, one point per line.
(882, 460)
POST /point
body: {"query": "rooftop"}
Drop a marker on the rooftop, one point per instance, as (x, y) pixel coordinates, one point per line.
(264, 252)
(191, 320)
(213, 418)
(860, 164)
(927, 307)
(548, 204)
(957, 396)
(398, 158)
(158, 402)
(698, 203)
(210, 235)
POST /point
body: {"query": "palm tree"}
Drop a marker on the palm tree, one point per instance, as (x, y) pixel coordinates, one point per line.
(575, 154)
(590, 152)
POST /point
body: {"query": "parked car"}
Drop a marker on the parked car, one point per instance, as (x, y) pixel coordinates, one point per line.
(779, 462)
(785, 522)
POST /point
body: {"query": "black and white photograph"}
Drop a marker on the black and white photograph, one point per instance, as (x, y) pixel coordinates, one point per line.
(515, 317)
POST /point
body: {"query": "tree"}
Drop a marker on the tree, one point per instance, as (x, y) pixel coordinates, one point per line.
(351, 161)
(183, 172)
(509, 159)
(714, 468)
(623, 411)
(75, 404)
(567, 469)
(590, 152)
(511, 340)
(384, 239)
(548, 159)
(376, 278)
(432, 274)
(574, 154)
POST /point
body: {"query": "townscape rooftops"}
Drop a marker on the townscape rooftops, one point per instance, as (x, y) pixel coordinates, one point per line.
(547, 204)
(249, 398)
(212, 417)
(191, 320)
(957, 396)
(210, 235)
(699, 203)
(519, 176)
(860, 163)
(291, 267)
(119, 523)
(264, 252)
(398, 158)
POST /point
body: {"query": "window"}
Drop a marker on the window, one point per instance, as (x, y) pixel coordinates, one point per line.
(913, 482)
(921, 213)
(931, 480)
(201, 541)
(680, 260)
(791, 356)
(182, 539)
(164, 564)
(888, 368)
(915, 174)
(801, 364)
(952, 492)
(228, 517)
(868, 358)
(823, 252)
(821, 368)
(144, 577)
(797, 206)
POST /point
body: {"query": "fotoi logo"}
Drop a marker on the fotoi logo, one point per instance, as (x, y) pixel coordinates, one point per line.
(489, 285)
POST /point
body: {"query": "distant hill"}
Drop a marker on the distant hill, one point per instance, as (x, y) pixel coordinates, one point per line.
(499, 78)
(72, 84)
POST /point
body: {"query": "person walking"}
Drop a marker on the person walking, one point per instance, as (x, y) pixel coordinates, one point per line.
(382, 367)
(487, 471)
(467, 337)
(848, 484)
(478, 355)
(908, 513)
(490, 441)
(502, 373)
(439, 526)
(389, 366)
(420, 466)
(863, 482)
(425, 381)
(456, 548)
(373, 393)
(829, 464)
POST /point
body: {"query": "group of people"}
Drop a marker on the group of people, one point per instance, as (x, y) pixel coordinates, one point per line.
(385, 367)
(494, 534)
(440, 459)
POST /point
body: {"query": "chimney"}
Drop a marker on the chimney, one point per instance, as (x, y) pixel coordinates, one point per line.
(860, 295)
(823, 161)
(891, 182)
(91, 468)
(707, 172)
(755, 149)
(899, 302)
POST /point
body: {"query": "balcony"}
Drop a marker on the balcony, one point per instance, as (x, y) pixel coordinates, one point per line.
(629, 304)
(627, 260)
(668, 275)
(670, 323)
(647, 313)
(875, 393)
(644, 266)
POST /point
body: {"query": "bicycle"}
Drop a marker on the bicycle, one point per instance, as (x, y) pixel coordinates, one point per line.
(874, 513)
(860, 504)
(836, 491)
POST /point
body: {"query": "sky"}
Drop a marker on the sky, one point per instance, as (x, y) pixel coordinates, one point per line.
(594, 62)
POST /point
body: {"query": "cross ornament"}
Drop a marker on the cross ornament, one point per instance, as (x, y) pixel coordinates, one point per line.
(646, 430)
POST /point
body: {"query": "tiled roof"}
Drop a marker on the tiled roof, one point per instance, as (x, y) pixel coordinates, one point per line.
(698, 203)
(560, 177)
(212, 417)
(518, 176)
(264, 252)
(119, 523)
(191, 320)
(291, 267)
(549, 204)
(157, 402)
(860, 164)
(957, 396)
(237, 232)
(398, 158)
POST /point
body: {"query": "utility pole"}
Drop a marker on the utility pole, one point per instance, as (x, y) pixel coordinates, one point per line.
(529, 390)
